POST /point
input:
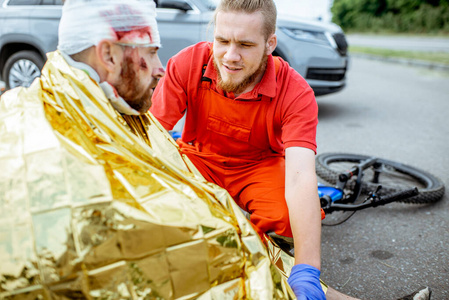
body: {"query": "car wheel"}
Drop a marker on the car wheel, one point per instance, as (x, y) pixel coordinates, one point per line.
(22, 68)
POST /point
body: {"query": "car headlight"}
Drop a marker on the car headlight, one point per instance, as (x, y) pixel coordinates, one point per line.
(319, 37)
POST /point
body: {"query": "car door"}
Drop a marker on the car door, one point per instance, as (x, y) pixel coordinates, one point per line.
(14, 15)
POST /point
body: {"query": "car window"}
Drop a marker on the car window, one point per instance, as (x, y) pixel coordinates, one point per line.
(35, 2)
(24, 2)
(209, 4)
(51, 2)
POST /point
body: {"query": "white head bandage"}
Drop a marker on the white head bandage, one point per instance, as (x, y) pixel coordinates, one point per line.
(84, 23)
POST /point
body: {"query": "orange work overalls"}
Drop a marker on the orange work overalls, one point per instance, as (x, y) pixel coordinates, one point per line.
(232, 150)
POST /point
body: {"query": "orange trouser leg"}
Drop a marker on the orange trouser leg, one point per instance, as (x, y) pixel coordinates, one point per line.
(260, 190)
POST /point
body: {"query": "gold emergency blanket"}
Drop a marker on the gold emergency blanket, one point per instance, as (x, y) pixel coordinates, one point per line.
(98, 205)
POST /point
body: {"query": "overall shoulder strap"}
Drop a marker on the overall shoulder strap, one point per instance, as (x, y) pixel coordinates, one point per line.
(205, 65)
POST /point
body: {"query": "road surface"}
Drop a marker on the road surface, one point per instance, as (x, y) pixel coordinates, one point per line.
(399, 113)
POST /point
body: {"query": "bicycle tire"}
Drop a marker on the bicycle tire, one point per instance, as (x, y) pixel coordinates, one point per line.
(431, 188)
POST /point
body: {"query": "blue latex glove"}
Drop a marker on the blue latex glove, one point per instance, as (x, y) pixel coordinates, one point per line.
(305, 282)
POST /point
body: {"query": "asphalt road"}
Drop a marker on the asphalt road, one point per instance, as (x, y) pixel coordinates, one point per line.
(409, 43)
(400, 113)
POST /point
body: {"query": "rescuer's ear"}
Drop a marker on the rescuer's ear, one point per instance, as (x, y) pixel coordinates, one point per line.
(271, 43)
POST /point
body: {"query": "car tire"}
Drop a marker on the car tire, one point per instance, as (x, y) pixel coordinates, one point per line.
(22, 68)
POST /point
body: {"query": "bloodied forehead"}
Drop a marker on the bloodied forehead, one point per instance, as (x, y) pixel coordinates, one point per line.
(85, 23)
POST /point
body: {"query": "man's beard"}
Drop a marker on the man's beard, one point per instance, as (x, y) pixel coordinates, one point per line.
(239, 87)
(130, 90)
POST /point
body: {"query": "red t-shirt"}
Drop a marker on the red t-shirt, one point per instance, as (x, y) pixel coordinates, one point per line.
(292, 116)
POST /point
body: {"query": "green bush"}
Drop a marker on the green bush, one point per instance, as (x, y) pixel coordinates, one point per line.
(401, 16)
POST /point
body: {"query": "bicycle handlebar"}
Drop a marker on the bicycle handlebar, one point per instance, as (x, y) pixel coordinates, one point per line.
(400, 195)
(375, 201)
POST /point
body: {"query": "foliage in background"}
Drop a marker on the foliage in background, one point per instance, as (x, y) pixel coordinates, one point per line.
(396, 16)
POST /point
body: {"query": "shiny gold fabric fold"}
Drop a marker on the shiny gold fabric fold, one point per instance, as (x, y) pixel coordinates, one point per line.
(96, 205)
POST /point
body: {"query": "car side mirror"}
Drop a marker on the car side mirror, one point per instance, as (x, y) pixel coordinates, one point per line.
(174, 4)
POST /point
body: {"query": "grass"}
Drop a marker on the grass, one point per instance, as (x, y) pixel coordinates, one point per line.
(443, 34)
(436, 57)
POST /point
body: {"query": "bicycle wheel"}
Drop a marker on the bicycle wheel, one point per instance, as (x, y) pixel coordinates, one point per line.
(393, 176)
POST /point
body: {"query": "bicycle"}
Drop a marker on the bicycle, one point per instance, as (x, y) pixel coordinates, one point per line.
(362, 181)
(383, 181)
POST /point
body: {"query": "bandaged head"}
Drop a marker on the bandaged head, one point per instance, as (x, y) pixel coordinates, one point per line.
(84, 23)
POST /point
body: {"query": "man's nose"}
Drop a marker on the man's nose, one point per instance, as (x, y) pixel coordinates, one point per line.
(232, 53)
(158, 69)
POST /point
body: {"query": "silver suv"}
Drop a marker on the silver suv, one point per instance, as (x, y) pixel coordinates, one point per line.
(29, 29)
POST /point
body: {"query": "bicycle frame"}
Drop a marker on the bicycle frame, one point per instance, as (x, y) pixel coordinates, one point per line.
(334, 198)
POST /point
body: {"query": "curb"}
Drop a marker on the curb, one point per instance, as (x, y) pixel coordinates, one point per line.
(404, 61)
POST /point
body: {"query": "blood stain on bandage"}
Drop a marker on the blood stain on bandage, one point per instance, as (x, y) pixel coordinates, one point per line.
(128, 24)
(134, 34)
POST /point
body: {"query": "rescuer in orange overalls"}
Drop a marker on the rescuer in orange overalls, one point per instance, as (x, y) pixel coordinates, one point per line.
(250, 128)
